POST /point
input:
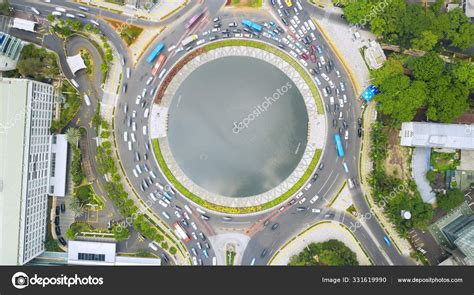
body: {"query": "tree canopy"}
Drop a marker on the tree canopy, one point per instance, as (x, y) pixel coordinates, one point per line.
(331, 252)
(451, 200)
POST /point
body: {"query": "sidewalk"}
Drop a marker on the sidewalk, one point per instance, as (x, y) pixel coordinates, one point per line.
(366, 168)
(159, 11)
(317, 233)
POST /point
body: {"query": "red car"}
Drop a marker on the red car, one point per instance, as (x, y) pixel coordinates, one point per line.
(313, 48)
(305, 56)
(313, 58)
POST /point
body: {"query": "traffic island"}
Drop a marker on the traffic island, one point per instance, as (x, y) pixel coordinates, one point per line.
(164, 151)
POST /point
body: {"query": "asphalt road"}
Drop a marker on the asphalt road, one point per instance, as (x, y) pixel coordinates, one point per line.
(328, 183)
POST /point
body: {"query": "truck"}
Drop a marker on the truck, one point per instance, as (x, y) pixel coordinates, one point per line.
(159, 64)
(188, 40)
(180, 232)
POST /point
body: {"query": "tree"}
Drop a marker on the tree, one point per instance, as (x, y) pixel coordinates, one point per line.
(72, 136)
(331, 252)
(463, 71)
(427, 41)
(172, 250)
(451, 200)
(120, 233)
(392, 67)
(400, 98)
(50, 18)
(356, 11)
(447, 99)
(5, 8)
(428, 67)
(77, 207)
(460, 31)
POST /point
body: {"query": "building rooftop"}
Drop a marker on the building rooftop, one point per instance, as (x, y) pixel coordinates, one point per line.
(76, 63)
(374, 55)
(24, 24)
(58, 156)
(436, 135)
(10, 49)
(13, 133)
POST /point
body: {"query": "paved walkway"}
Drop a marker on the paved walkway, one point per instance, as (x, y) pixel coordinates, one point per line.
(320, 232)
(420, 164)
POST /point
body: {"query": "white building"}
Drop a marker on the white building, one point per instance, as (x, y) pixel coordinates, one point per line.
(10, 49)
(374, 55)
(26, 111)
(103, 253)
(437, 135)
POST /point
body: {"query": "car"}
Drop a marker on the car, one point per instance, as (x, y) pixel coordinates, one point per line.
(331, 84)
(149, 80)
(62, 241)
(63, 207)
(325, 92)
(216, 19)
(232, 25)
(329, 91)
(318, 48)
(217, 25)
(291, 202)
(194, 225)
(134, 114)
(338, 74)
(143, 104)
(325, 77)
(266, 223)
(56, 220)
(342, 86)
(334, 123)
(58, 230)
(299, 195)
(264, 253)
(207, 246)
(281, 208)
(359, 132)
(194, 251)
(137, 101)
(314, 199)
(305, 56)
(315, 210)
(57, 210)
(313, 58)
(206, 33)
(165, 258)
(321, 166)
(387, 241)
(302, 201)
(179, 50)
(195, 262)
(193, 234)
(327, 68)
(318, 82)
(315, 177)
(198, 244)
(202, 236)
(346, 135)
(301, 209)
(129, 145)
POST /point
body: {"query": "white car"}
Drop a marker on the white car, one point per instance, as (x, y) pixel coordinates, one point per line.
(285, 41)
(135, 172)
(325, 77)
(293, 54)
(162, 203)
(323, 61)
(341, 103)
(331, 100)
(171, 48)
(137, 101)
(238, 35)
(299, 195)
(193, 234)
(200, 42)
(342, 85)
(144, 130)
(148, 82)
(313, 37)
(125, 136)
(134, 114)
(307, 187)
(325, 92)
(130, 146)
(317, 81)
(194, 225)
(132, 136)
(206, 33)
(176, 213)
(314, 199)
(303, 62)
(134, 126)
(216, 30)
(346, 135)
(331, 84)
(166, 215)
(144, 92)
(179, 50)
(344, 97)
(302, 201)
(338, 74)
(317, 211)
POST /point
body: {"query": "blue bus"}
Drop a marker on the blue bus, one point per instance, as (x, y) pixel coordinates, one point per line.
(155, 52)
(251, 25)
(338, 142)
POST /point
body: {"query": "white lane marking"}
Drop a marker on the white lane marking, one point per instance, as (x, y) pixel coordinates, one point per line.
(329, 177)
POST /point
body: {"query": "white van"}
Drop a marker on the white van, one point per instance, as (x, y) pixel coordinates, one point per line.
(139, 169)
(147, 112)
(350, 183)
(73, 82)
